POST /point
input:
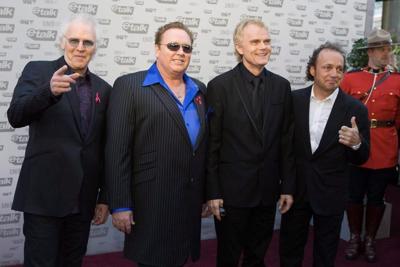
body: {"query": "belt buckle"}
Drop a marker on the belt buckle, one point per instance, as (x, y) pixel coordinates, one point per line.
(374, 123)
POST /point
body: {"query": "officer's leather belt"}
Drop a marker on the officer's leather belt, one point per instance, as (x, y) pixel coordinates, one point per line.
(380, 124)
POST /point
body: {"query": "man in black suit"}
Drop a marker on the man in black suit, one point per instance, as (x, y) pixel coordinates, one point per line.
(331, 131)
(155, 155)
(250, 163)
(64, 105)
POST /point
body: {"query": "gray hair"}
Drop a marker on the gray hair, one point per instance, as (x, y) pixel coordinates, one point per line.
(82, 18)
(238, 33)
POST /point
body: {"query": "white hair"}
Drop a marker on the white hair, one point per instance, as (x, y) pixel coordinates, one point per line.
(82, 18)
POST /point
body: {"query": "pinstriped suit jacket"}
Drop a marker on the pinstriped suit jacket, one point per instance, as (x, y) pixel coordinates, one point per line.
(152, 167)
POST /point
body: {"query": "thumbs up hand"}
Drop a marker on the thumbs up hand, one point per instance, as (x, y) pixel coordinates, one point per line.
(350, 136)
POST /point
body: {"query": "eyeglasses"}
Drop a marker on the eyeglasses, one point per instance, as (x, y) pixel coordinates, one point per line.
(175, 47)
(74, 42)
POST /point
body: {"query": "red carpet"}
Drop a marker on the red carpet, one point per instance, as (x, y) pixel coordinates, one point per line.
(388, 249)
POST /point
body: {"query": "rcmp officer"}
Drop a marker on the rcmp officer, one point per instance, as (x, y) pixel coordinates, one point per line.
(378, 87)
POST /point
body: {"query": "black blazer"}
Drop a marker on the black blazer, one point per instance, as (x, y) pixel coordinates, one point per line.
(245, 166)
(152, 167)
(322, 177)
(62, 172)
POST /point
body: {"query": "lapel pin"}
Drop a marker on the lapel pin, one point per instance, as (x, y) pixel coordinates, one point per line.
(97, 98)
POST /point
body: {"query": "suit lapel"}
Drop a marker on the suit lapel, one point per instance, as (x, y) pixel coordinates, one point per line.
(303, 114)
(172, 109)
(335, 121)
(200, 106)
(95, 99)
(240, 87)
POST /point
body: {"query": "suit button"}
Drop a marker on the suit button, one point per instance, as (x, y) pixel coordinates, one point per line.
(194, 154)
(192, 180)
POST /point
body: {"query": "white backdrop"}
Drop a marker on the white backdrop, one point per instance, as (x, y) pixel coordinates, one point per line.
(29, 31)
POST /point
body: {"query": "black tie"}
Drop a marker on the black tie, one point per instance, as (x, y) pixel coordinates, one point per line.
(257, 101)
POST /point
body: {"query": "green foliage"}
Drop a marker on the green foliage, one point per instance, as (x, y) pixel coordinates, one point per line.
(358, 58)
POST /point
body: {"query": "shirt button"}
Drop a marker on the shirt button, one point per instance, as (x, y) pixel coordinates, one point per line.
(372, 114)
(358, 92)
(373, 100)
(390, 93)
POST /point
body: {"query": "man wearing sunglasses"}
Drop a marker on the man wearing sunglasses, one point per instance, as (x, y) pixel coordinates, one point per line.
(250, 163)
(155, 155)
(64, 105)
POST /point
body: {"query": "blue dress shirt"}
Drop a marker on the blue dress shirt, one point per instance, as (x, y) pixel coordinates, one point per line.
(188, 108)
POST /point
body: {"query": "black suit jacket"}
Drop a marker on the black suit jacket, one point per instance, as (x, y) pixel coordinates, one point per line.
(62, 172)
(245, 166)
(152, 167)
(322, 176)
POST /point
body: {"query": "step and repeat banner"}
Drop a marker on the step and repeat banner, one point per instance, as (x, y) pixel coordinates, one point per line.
(29, 30)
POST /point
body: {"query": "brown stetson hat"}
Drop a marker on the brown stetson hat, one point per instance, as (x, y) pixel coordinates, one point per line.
(378, 38)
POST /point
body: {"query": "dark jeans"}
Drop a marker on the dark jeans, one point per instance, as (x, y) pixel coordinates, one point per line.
(369, 182)
(53, 241)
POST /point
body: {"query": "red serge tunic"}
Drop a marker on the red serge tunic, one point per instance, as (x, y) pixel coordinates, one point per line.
(383, 104)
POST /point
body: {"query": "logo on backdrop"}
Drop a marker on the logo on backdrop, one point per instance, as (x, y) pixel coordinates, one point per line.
(31, 46)
(6, 12)
(3, 85)
(103, 42)
(16, 160)
(220, 22)
(6, 65)
(83, 8)
(221, 42)
(299, 35)
(135, 27)
(340, 31)
(45, 12)
(41, 35)
(340, 2)
(323, 14)
(360, 6)
(189, 21)
(168, 1)
(7, 28)
(20, 138)
(10, 218)
(122, 10)
(10, 232)
(6, 181)
(125, 60)
(273, 3)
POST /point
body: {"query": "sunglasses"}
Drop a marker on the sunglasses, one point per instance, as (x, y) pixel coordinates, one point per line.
(175, 47)
(74, 42)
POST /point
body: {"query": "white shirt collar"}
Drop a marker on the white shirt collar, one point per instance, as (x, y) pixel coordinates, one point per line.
(331, 97)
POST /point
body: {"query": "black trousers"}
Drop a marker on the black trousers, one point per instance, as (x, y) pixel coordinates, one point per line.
(369, 182)
(247, 231)
(294, 234)
(53, 241)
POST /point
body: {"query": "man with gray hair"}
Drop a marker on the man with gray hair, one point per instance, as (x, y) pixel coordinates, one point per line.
(64, 105)
(250, 163)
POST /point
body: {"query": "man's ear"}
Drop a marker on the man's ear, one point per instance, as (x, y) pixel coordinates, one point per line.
(312, 71)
